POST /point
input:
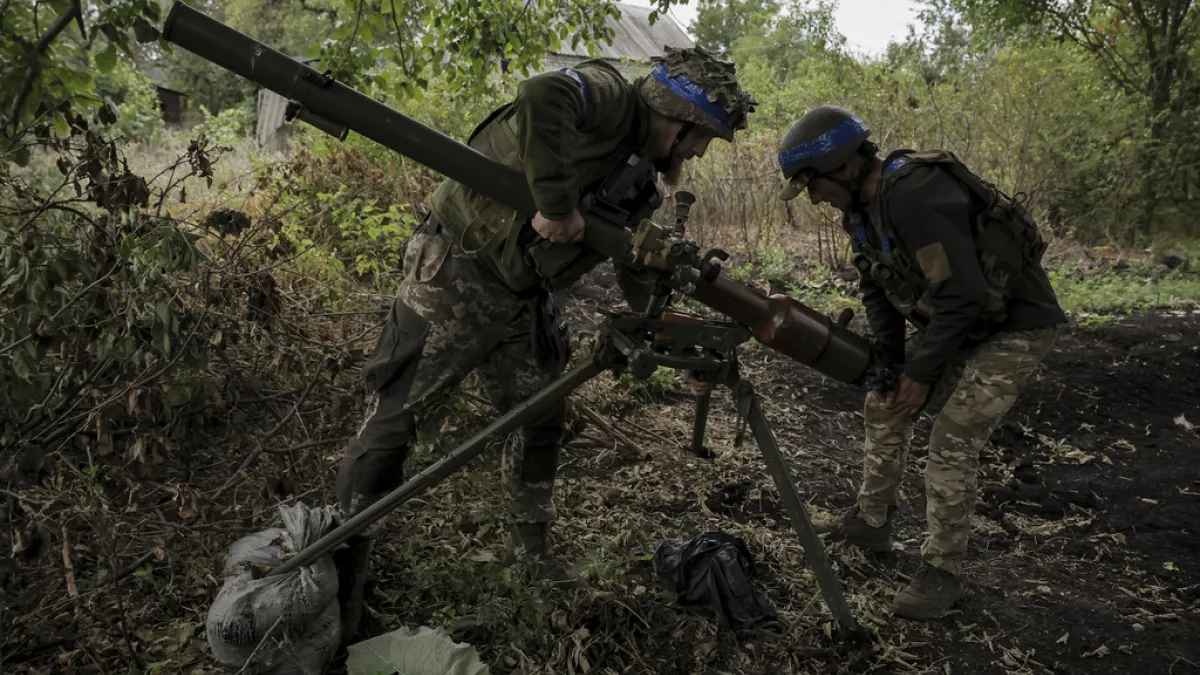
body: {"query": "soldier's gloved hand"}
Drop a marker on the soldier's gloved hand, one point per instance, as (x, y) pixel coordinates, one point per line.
(910, 396)
(561, 231)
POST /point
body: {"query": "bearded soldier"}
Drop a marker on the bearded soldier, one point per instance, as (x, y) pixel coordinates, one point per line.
(479, 277)
(940, 248)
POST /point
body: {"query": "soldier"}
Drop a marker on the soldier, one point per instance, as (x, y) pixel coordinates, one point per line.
(479, 277)
(961, 261)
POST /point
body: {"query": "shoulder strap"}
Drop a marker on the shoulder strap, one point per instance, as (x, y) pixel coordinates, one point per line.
(900, 166)
(493, 116)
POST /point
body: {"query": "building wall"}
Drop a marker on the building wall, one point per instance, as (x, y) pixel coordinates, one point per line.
(171, 104)
(271, 130)
(629, 68)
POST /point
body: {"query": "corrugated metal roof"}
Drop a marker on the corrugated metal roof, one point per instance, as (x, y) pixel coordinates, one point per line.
(633, 37)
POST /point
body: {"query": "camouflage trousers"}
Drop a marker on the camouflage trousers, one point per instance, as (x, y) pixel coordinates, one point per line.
(451, 317)
(981, 388)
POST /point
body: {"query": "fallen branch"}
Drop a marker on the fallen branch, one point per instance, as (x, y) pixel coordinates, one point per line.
(241, 470)
(597, 419)
(68, 565)
(310, 444)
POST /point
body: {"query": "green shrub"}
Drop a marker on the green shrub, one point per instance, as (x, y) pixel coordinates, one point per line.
(138, 116)
(227, 127)
(1125, 291)
(651, 389)
(93, 298)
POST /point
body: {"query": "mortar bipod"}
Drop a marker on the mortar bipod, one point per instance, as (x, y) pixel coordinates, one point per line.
(640, 345)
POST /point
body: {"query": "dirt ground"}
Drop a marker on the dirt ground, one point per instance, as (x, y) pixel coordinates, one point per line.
(1085, 556)
(1086, 549)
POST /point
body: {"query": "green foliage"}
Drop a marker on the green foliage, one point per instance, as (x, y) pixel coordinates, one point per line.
(651, 389)
(1148, 53)
(1119, 292)
(137, 110)
(441, 104)
(770, 264)
(343, 209)
(467, 42)
(228, 127)
(719, 24)
(46, 69)
(91, 294)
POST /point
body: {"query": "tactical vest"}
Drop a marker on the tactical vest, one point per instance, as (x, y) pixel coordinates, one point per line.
(1006, 238)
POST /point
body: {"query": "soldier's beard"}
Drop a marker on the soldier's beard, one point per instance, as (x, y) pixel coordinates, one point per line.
(671, 169)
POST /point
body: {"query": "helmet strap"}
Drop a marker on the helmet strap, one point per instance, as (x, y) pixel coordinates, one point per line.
(854, 185)
(683, 131)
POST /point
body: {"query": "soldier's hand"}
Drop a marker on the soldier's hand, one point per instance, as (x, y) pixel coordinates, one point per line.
(910, 396)
(560, 231)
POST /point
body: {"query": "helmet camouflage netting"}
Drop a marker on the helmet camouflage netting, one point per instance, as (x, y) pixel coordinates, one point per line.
(695, 86)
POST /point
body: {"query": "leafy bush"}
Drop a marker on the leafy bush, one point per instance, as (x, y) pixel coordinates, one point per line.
(137, 109)
(342, 208)
(227, 127)
(91, 298)
(652, 389)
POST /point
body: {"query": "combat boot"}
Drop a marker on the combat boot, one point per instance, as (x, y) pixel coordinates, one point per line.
(352, 563)
(930, 594)
(530, 547)
(529, 540)
(854, 530)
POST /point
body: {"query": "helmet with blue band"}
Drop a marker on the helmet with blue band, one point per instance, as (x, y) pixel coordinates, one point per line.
(821, 142)
(694, 86)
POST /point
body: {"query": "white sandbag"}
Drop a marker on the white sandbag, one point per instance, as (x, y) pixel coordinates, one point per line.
(414, 651)
(297, 612)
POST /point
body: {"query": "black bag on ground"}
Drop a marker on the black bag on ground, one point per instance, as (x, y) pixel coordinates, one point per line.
(715, 570)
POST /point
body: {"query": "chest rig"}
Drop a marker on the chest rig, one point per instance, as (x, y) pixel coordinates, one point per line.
(1006, 238)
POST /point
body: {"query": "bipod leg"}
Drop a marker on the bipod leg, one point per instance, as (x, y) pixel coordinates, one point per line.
(818, 561)
(701, 423)
(459, 457)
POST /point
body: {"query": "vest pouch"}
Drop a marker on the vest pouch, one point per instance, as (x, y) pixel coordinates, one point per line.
(474, 221)
(1002, 256)
(425, 253)
(1035, 245)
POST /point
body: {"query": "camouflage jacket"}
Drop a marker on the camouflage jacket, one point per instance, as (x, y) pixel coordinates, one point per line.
(566, 131)
(922, 256)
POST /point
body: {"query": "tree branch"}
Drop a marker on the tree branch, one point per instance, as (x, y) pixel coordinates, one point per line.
(35, 67)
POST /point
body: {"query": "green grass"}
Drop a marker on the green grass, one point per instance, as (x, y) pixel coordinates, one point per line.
(1090, 298)
(1124, 292)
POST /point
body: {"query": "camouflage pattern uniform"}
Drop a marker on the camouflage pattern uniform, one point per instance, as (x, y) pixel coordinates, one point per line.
(919, 260)
(478, 292)
(474, 295)
(451, 317)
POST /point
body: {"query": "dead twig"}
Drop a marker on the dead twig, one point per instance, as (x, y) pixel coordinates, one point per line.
(595, 418)
(239, 474)
(263, 641)
(310, 444)
(68, 565)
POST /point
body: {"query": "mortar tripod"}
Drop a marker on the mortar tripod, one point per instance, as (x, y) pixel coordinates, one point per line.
(639, 345)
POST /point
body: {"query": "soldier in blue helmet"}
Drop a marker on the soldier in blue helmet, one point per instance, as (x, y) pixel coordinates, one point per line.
(944, 251)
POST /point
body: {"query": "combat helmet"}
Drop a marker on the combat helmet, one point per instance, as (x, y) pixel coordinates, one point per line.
(823, 140)
(692, 85)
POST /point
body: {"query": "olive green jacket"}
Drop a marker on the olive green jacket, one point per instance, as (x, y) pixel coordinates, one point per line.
(566, 131)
